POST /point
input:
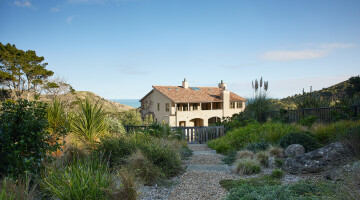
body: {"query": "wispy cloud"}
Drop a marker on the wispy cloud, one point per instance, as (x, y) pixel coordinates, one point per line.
(116, 2)
(318, 51)
(70, 19)
(55, 9)
(24, 3)
(132, 71)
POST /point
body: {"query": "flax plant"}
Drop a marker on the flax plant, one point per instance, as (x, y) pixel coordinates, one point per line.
(89, 123)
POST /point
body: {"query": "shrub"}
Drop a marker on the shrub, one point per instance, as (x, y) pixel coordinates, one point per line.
(114, 125)
(308, 120)
(237, 139)
(185, 153)
(244, 154)
(87, 178)
(262, 157)
(276, 152)
(117, 149)
(25, 143)
(258, 146)
(247, 166)
(279, 162)
(143, 168)
(229, 158)
(277, 173)
(352, 140)
(329, 133)
(22, 188)
(305, 139)
(128, 190)
(164, 157)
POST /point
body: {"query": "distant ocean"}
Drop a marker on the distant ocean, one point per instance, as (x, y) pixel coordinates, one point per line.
(129, 102)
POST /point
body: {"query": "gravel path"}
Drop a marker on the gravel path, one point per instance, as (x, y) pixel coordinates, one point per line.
(201, 179)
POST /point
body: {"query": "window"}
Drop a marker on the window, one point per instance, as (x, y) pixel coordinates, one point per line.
(239, 104)
(167, 107)
(158, 106)
(206, 106)
(232, 105)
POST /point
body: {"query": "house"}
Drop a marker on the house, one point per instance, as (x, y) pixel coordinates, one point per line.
(191, 106)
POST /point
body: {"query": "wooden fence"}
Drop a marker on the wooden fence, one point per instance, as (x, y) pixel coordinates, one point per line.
(194, 135)
(325, 115)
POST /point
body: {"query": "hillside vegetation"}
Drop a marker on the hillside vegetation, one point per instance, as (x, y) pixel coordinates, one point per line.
(334, 93)
(74, 99)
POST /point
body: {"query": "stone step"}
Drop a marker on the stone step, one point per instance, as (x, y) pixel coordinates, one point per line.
(208, 152)
(209, 168)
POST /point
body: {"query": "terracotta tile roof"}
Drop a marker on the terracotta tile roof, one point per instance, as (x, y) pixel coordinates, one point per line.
(204, 94)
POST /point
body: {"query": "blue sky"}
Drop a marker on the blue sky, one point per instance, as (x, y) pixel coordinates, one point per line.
(119, 48)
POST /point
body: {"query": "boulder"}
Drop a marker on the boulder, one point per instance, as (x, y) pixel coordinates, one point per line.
(294, 150)
(317, 161)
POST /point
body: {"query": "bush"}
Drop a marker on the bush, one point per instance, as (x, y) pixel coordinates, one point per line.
(185, 153)
(229, 158)
(258, 146)
(329, 133)
(245, 192)
(277, 173)
(254, 181)
(143, 168)
(262, 157)
(25, 143)
(114, 125)
(244, 154)
(253, 133)
(117, 149)
(247, 166)
(308, 120)
(276, 152)
(305, 139)
(352, 140)
(87, 178)
(279, 162)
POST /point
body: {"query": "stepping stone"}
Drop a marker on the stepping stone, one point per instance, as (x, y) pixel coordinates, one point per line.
(209, 168)
(210, 152)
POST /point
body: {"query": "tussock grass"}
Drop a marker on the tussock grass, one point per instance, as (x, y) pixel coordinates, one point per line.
(244, 154)
(276, 152)
(262, 157)
(247, 166)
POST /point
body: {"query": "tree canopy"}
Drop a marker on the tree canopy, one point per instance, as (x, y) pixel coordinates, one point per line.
(22, 71)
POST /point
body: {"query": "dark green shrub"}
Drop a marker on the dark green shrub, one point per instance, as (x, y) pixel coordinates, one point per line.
(185, 153)
(117, 149)
(164, 157)
(279, 162)
(229, 158)
(305, 139)
(258, 146)
(254, 181)
(308, 120)
(277, 173)
(267, 192)
(351, 139)
(25, 143)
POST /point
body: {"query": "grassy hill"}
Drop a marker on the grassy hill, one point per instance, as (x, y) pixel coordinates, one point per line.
(334, 92)
(74, 99)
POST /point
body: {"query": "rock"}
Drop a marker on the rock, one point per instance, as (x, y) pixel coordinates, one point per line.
(294, 150)
(317, 161)
(271, 162)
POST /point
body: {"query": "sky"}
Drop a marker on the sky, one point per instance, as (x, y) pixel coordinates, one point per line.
(118, 49)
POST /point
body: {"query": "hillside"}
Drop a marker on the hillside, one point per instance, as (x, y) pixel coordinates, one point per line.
(334, 92)
(74, 99)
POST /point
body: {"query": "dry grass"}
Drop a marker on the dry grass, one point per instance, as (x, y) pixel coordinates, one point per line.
(244, 154)
(262, 157)
(350, 189)
(276, 152)
(247, 166)
(143, 168)
(129, 186)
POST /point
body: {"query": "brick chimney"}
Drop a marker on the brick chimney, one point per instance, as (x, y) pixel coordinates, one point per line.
(185, 84)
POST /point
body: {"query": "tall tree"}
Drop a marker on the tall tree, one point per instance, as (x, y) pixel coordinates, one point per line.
(21, 71)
